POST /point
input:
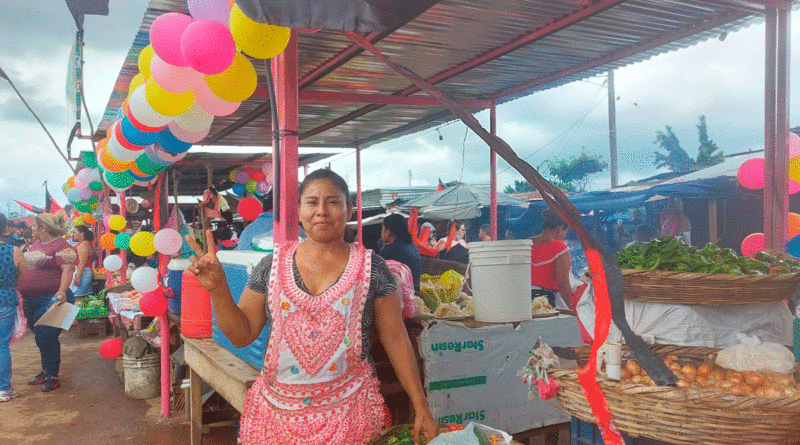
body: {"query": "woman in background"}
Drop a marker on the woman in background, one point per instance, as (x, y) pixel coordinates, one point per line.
(13, 270)
(551, 263)
(82, 283)
(399, 247)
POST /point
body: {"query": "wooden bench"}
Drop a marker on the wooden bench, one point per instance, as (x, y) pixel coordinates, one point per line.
(227, 374)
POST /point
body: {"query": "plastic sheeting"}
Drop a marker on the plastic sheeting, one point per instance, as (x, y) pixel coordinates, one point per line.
(711, 326)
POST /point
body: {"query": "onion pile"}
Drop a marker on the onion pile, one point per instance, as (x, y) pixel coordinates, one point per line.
(708, 376)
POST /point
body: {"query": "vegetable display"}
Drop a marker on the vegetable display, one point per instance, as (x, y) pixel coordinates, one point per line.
(672, 254)
(92, 306)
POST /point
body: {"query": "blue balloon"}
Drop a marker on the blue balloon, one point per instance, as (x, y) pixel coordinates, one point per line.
(793, 246)
(142, 178)
(171, 144)
(237, 189)
(136, 136)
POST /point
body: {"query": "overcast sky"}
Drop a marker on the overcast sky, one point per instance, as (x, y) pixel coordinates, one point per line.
(723, 80)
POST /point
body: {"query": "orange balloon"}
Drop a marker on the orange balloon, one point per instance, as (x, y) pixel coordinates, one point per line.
(110, 131)
(71, 182)
(109, 163)
(107, 241)
(794, 225)
(88, 218)
(100, 145)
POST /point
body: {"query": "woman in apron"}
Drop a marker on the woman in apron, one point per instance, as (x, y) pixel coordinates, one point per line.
(322, 297)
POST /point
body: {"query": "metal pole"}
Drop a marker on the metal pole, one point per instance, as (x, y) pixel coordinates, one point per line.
(780, 212)
(612, 129)
(770, 80)
(493, 175)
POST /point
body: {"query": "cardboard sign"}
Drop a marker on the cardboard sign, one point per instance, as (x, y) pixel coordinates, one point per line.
(59, 316)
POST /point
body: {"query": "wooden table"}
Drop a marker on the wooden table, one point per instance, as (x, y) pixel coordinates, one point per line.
(227, 374)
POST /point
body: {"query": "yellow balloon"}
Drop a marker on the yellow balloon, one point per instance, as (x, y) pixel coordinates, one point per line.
(137, 81)
(116, 222)
(141, 244)
(794, 168)
(236, 83)
(257, 40)
(166, 103)
(144, 60)
(78, 221)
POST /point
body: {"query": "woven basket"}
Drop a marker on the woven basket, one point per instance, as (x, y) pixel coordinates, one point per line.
(706, 289)
(685, 416)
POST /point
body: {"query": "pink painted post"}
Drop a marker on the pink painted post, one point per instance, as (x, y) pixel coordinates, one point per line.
(164, 319)
(358, 195)
(285, 71)
(493, 175)
(107, 210)
(123, 253)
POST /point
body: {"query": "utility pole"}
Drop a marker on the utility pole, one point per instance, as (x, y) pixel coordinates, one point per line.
(612, 129)
(409, 178)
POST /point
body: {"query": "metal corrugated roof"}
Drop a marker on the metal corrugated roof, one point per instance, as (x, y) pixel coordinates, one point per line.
(471, 49)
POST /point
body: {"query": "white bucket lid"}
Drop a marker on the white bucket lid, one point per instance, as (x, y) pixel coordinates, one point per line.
(511, 244)
(179, 264)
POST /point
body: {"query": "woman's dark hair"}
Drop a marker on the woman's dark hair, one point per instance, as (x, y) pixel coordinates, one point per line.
(87, 234)
(3, 223)
(328, 174)
(397, 224)
(550, 220)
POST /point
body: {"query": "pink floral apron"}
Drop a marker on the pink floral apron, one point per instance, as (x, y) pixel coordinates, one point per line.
(314, 388)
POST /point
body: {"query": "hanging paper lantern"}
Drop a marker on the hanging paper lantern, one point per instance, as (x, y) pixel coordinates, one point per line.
(88, 159)
(123, 240)
(168, 241)
(208, 46)
(165, 37)
(107, 241)
(117, 223)
(141, 244)
(249, 208)
(153, 303)
(112, 263)
(257, 40)
(111, 349)
(144, 279)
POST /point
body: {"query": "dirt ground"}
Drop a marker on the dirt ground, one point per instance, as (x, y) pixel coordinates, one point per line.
(90, 406)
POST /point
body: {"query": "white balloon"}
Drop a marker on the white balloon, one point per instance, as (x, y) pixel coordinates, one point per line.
(195, 119)
(112, 263)
(143, 112)
(120, 153)
(145, 279)
(95, 174)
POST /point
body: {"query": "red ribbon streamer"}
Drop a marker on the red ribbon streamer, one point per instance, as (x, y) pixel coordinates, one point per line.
(602, 322)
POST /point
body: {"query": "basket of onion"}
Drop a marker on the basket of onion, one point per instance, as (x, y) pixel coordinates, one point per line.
(709, 405)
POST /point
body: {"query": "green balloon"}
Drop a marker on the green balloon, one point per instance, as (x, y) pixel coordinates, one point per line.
(250, 186)
(144, 164)
(89, 159)
(81, 206)
(123, 240)
(65, 188)
(96, 186)
(120, 180)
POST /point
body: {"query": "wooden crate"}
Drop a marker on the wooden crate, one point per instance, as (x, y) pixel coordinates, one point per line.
(93, 326)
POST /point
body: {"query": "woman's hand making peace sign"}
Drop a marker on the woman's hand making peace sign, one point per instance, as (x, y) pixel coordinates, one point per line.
(205, 265)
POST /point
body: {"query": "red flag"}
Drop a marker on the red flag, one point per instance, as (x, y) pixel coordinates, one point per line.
(54, 206)
(441, 186)
(29, 207)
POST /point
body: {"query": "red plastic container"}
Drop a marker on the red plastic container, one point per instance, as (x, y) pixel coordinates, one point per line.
(195, 308)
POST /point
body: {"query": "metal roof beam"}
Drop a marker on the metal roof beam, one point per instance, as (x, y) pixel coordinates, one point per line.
(743, 5)
(538, 33)
(326, 68)
(627, 52)
(307, 96)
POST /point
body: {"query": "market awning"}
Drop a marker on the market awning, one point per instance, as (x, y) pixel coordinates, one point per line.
(478, 52)
(461, 201)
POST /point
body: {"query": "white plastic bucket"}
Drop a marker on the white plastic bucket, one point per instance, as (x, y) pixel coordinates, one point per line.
(142, 376)
(500, 274)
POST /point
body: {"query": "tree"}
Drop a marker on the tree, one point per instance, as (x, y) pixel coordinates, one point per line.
(519, 187)
(677, 159)
(573, 174)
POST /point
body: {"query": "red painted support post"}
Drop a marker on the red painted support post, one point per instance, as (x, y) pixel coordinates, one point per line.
(780, 215)
(493, 175)
(358, 195)
(107, 208)
(285, 73)
(123, 253)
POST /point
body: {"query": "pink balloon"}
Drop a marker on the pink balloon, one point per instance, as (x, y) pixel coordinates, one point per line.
(84, 176)
(794, 187)
(175, 79)
(752, 244)
(105, 221)
(794, 144)
(751, 174)
(219, 10)
(165, 36)
(168, 241)
(208, 46)
(166, 156)
(187, 136)
(211, 103)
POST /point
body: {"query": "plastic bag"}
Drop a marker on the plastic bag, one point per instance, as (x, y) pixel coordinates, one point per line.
(753, 355)
(468, 436)
(20, 322)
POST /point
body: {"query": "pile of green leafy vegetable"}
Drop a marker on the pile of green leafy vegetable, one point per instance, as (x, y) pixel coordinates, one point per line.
(672, 254)
(92, 306)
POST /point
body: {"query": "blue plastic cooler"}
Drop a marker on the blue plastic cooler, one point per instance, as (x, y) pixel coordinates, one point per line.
(238, 265)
